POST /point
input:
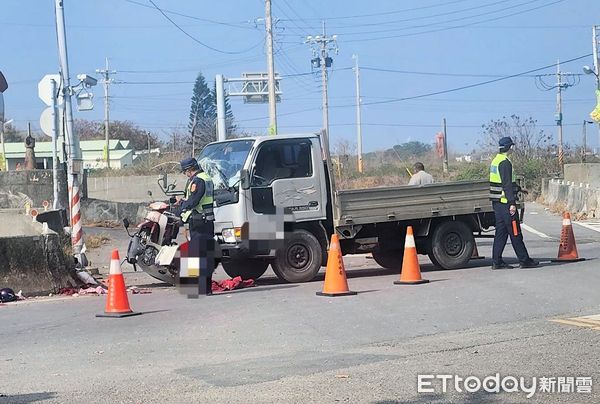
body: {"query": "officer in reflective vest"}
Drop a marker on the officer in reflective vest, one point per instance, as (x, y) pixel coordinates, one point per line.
(197, 212)
(503, 193)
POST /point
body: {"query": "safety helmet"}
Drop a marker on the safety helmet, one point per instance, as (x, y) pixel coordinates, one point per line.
(7, 295)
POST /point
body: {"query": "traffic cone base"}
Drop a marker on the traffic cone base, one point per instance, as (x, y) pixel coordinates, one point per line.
(567, 259)
(410, 274)
(475, 255)
(335, 283)
(117, 303)
(411, 282)
(119, 315)
(348, 293)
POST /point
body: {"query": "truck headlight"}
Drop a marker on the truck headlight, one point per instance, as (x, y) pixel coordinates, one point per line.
(232, 235)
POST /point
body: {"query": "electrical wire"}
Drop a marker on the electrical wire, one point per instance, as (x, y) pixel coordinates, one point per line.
(197, 40)
(455, 26)
(194, 17)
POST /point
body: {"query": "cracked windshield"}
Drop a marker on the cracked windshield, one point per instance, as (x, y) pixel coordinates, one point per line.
(223, 162)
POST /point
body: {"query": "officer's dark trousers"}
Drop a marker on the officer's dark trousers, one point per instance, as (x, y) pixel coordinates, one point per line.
(504, 228)
(202, 245)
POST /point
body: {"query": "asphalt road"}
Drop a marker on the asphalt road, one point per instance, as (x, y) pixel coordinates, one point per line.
(281, 343)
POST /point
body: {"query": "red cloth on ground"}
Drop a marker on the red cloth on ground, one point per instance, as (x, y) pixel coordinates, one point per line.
(231, 284)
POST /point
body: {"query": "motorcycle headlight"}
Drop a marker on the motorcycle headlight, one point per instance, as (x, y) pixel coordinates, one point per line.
(232, 235)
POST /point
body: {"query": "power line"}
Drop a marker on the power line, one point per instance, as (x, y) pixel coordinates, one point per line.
(386, 70)
(472, 85)
(386, 12)
(197, 40)
(194, 17)
(455, 26)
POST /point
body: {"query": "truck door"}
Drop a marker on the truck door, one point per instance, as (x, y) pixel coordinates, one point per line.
(283, 176)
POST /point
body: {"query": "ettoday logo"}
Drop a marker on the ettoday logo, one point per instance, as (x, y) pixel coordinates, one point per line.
(507, 384)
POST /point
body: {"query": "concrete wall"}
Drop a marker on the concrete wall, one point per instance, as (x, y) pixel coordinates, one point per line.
(129, 189)
(579, 198)
(96, 211)
(18, 187)
(587, 173)
(36, 264)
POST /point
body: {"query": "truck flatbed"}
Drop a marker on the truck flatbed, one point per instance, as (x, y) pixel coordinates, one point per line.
(387, 204)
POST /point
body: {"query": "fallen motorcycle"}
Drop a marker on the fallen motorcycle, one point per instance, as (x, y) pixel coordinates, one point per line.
(157, 232)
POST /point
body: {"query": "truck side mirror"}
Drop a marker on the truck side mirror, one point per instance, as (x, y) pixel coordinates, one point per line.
(244, 179)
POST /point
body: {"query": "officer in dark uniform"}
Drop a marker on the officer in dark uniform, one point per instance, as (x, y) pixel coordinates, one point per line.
(503, 193)
(197, 212)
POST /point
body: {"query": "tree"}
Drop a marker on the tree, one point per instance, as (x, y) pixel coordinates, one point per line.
(11, 134)
(203, 115)
(530, 142)
(412, 149)
(533, 156)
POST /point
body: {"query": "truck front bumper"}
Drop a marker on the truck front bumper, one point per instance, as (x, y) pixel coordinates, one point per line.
(244, 250)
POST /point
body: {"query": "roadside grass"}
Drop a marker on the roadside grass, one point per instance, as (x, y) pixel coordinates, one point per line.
(97, 240)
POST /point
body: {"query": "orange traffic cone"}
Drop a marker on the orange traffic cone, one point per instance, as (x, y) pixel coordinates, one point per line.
(117, 303)
(475, 255)
(411, 272)
(335, 275)
(567, 250)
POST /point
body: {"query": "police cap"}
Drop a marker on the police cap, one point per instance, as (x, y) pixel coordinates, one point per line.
(189, 163)
(505, 142)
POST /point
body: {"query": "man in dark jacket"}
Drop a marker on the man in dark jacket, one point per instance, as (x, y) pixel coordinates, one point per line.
(503, 193)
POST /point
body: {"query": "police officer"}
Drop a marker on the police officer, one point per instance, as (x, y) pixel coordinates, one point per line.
(503, 193)
(197, 212)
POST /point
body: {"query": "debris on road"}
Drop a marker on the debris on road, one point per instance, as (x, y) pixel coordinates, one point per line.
(231, 284)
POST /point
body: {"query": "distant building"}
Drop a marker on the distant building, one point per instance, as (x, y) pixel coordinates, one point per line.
(92, 153)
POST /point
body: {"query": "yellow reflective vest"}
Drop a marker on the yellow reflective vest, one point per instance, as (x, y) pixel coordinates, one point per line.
(496, 191)
(205, 206)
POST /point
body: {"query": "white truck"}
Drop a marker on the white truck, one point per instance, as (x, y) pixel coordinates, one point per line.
(276, 204)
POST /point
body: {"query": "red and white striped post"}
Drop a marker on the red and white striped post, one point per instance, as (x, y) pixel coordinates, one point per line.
(75, 207)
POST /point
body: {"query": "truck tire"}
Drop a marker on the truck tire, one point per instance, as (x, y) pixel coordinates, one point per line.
(249, 269)
(451, 245)
(389, 259)
(300, 258)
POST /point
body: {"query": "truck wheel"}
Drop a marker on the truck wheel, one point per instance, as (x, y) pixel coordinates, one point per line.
(249, 269)
(300, 258)
(389, 259)
(451, 245)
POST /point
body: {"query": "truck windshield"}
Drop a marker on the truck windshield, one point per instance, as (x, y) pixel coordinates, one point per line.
(223, 162)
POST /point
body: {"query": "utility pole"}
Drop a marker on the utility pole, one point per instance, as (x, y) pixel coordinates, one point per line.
(271, 70)
(358, 117)
(445, 162)
(221, 118)
(74, 162)
(564, 80)
(106, 72)
(559, 85)
(323, 44)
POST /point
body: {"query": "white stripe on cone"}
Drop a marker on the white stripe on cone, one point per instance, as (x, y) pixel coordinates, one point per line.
(115, 267)
(410, 241)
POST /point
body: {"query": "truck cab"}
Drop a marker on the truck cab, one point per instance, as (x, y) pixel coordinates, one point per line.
(265, 187)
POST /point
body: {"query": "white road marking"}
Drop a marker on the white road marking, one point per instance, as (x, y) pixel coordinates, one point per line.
(594, 226)
(534, 231)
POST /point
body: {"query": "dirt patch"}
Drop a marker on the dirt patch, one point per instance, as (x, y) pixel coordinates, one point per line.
(97, 240)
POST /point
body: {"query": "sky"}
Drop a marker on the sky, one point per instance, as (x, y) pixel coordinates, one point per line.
(405, 49)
